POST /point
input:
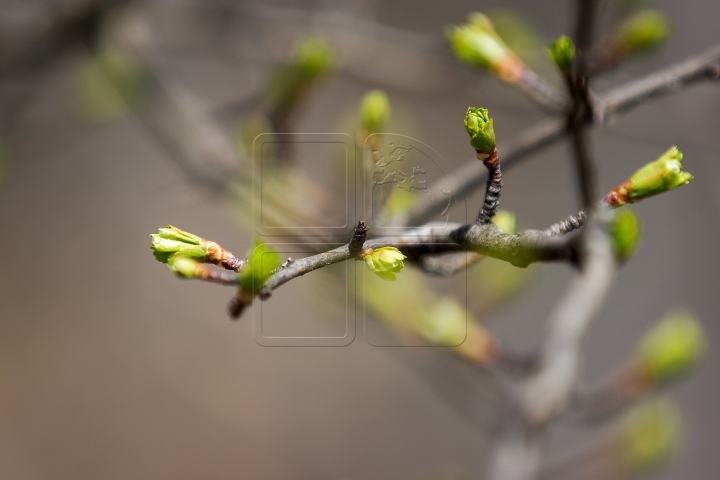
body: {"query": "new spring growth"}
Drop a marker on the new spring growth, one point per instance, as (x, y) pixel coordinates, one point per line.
(649, 436)
(671, 347)
(505, 221)
(656, 177)
(313, 56)
(477, 44)
(374, 111)
(172, 242)
(185, 267)
(479, 126)
(562, 53)
(385, 262)
(625, 231)
(262, 261)
(646, 30)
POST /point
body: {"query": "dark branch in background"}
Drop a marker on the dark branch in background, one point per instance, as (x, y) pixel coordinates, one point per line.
(48, 35)
(672, 79)
(60, 27)
(581, 111)
(538, 90)
(619, 100)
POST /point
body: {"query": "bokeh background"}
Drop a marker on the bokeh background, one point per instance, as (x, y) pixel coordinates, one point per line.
(111, 368)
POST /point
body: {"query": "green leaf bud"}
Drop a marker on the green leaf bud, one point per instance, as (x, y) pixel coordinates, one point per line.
(313, 56)
(505, 221)
(170, 241)
(185, 267)
(262, 262)
(625, 232)
(385, 262)
(645, 30)
(477, 44)
(562, 53)
(656, 177)
(662, 175)
(650, 435)
(671, 347)
(374, 111)
(480, 128)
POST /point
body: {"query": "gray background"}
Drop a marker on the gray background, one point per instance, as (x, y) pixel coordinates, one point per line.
(110, 368)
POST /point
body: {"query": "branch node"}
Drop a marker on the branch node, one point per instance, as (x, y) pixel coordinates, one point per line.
(358, 240)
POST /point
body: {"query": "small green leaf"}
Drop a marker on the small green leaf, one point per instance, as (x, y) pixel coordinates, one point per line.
(262, 262)
(479, 126)
(562, 53)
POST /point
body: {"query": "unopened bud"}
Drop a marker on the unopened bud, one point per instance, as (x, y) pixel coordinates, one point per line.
(313, 56)
(480, 128)
(262, 261)
(626, 233)
(645, 30)
(385, 262)
(172, 242)
(505, 221)
(185, 267)
(650, 435)
(374, 111)
(671, 347)
(656, 177)
(477, 44)
(562, 53)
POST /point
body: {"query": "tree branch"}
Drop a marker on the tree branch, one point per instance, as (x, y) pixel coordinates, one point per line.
(617, 101)
(547, 394)
(520, 250)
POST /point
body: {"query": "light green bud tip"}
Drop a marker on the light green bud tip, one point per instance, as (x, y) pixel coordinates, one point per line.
(374, 110)
(171, 241)
(184, 267)
(262, 262)
(313, 56)
(673, 346)
(626, 232)
(650, 435)
(562, 53)
(385, 262)
(480, 128)
(645, 30)
(505, 221)
(659, 176)
(477, 44)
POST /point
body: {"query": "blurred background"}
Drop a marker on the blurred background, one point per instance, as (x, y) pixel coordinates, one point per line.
(118, 117)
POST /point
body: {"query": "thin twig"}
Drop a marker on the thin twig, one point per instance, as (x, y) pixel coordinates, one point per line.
(520, 250)
(616, 101)
(493, 188)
